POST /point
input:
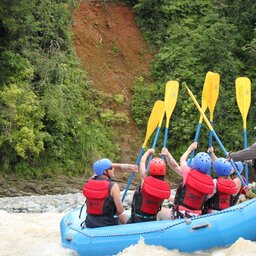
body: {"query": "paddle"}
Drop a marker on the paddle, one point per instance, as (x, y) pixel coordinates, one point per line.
(156, 114)
(157, 133)
(207, 83)
(214, 134)
(212, 96)
(243, 97)
(171, 94)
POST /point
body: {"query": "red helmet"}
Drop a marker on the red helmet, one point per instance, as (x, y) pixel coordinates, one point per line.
(157, 167)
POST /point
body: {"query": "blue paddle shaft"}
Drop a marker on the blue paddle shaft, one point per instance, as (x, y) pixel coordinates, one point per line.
(132, 175)
(153, 146)
(246, 164)
(245, 139)
(226, 154)
(195, 140)
(165, 138)
(210, 140)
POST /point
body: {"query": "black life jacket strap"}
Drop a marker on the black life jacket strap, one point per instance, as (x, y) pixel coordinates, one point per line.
(80, 213)
(83, 225)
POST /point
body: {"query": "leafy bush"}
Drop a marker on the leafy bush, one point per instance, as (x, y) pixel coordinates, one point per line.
(191, 38)
(50, 114)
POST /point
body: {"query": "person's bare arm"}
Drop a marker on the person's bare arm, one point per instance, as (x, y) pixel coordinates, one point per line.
(142, 167)
(125, 167)
(211, 150)
(171, 161)
(184, 157)
(115, 193)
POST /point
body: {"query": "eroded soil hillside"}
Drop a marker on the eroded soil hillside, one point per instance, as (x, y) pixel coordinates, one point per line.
(113, 53)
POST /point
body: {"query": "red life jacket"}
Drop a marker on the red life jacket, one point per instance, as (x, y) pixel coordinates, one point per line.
(98, 199)
(222, 198)
(241, 191)
(154, 191)
(147, 200)
(193, 194)
(242, 187)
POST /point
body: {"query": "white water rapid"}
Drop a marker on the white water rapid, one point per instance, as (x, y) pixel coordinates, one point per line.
(26, 233)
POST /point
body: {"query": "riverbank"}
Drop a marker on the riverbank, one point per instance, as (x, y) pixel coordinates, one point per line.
(49, 203)
(14, 186)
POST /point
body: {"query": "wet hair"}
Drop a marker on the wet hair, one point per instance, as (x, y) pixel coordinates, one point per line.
(160, 177)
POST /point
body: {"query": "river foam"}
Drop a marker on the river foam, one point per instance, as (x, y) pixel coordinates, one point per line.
(31, 234)
(26, 233)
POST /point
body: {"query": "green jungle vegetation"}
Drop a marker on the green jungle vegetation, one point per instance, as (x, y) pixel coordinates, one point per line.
(50, 118)
(50, 114)
(191, 38)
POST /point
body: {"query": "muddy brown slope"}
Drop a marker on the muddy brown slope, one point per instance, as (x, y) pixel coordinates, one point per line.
(113, 53)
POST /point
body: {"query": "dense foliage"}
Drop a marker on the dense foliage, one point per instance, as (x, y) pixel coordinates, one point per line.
(50, 115)
(191, 38)
(50, 118)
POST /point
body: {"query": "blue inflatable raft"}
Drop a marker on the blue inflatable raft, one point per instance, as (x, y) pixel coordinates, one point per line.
(187, 235)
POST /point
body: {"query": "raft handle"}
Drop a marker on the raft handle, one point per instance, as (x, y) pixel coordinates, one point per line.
(200, 226)
(68, 238)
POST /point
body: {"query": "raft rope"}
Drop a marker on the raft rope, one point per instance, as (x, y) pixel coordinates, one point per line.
(188, 221)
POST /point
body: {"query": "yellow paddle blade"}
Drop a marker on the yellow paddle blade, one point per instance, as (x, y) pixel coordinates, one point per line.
(161, 119)
(213, 93)
(154, 119)
(243, 96)
(170, 99)
(200, 109)
(205, 93)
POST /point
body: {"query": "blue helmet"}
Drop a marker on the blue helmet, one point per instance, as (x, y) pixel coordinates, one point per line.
(239, 165)
(202, 162)
(102, 165)
(222, 167)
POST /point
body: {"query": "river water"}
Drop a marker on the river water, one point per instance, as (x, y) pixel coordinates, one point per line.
(37, 234)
